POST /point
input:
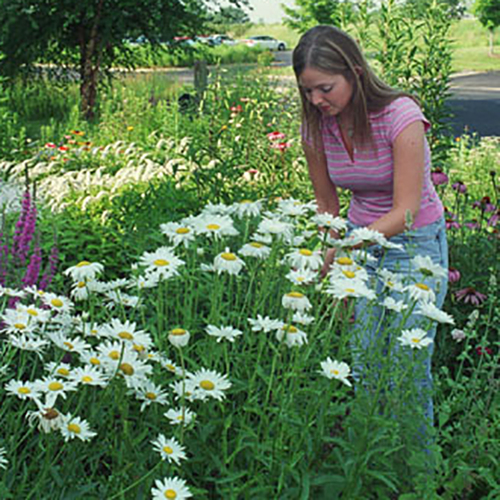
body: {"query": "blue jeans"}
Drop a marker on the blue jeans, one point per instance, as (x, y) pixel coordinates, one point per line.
(376, 330)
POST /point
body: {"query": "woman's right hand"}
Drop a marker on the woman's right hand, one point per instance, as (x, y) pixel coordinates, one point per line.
(329, 258)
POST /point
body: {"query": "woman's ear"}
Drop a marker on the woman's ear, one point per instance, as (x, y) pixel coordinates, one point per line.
(358, 70)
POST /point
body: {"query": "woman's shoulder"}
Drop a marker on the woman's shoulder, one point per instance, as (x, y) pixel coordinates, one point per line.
(399, 103)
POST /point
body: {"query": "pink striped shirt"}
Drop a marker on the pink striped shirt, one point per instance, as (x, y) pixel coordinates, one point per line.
(370, 174)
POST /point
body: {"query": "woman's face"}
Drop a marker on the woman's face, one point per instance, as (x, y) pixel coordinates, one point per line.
(330, 93)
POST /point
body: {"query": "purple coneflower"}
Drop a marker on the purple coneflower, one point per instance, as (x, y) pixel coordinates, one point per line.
(439, 177)
(452, 224)
(473, 224)
(459, 187)
(470, 295)
(453, 275)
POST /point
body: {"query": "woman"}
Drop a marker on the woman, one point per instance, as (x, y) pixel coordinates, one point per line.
(360, 134)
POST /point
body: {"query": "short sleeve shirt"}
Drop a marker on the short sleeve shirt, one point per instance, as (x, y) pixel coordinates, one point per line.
(369, 174)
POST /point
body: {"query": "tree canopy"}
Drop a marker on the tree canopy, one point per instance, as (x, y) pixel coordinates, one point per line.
(488, 13)
(90, 33)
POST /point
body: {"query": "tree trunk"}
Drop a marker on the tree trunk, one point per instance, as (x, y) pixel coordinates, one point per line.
(90, 62)
(491, 42)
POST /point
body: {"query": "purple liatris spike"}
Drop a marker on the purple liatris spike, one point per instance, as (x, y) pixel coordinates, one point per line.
(17, 244)
(53, 260)
(33, 269)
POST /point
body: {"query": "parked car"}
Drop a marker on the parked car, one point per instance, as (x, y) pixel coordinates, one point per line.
(265, 41)
(215, 40)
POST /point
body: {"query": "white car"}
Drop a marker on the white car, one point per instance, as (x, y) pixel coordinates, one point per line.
(215, 40)
(265, 41)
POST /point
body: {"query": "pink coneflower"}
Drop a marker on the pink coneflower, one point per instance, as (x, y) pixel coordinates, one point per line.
(453, 275)
(452, 224)
(459, 187)
(473, 224)
(276, 136)
(484, 204)
(439, 177)
(493, 220)
(282, 146)
(236, 109)
(470, 295)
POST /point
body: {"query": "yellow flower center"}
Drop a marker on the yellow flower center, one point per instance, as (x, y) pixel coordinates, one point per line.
(93, 332)
(178, 332)
(256, 245)
(32, 312)
(213, 227)
(168, 450)
(55, 386)
(125, 335)
(69, 345)
(390, 284)
(295, 295)
(182, 230)
(57, 302)
(246, 201)
(24, 390)
(170, 494)
(228, 256)
(19, 326)
(127, 369)
(349, 274)
(63, 371)
(422, 286)
(350, 290)
(87, 379)
(81, 284)
(114, 355)
(161, 262)
(151, 396)
(74, 428)
(290, 329)
(83, 263)
(344, 261)
(335, 372)
(180, 417)
(305, 252)
(208, 385)
(139, 348)
(415, 340)
(94, 361)
(170, 367)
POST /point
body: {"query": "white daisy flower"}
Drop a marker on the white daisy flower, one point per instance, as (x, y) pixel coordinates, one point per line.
(347, 272)
(330, 221)
(265, 239)
(148, 392)
(296, 301)
(416, 338)
(228, 262)
(28, 343)
(169, 449)
(92, 330)
(265, 324)
(178, 233)
(183, 389)
(144, 282)
(217, 209)
(248, 208)
(58, 369)
(169, 365)
(80, 291)
(46, 416)
(37, 314)
(344, 288)
(69, 344)
(179, 337)
(391, 280)
(255, 249)
(57, 303)
(129, 366)
(17, 321)
(54, 387)
(93, 358)
(214, 226)
(89, 375)
(162, 262)
(304, 258)
(431, 311)
(292, 336)
(293, 208)
(11, 292)
(118, 298)
(394, 305)
(23, 390)
(339, 370)
(427, 267)
(275, 227)
(172, 488)
(224, 332)
(303, 276)
(420, 292)
(76, 427)
(458, 335)
(84, 271)
(302, 319)
(180, 416)
(209, 384)
(127, 332)
(3, 460)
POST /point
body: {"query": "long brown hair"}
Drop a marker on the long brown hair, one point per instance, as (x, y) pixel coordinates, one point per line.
(333, 51)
